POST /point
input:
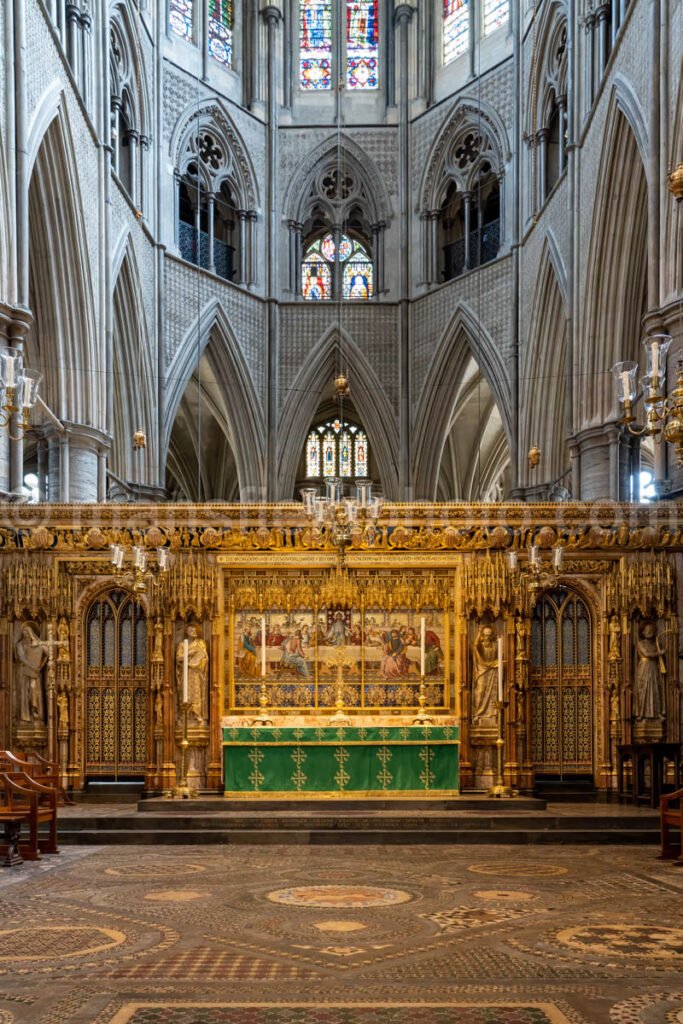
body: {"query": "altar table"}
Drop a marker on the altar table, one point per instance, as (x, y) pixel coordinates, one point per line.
(341, 761)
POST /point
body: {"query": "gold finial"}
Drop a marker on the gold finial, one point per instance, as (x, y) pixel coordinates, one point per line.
(534, 456)
(139, 439)
(341, 387)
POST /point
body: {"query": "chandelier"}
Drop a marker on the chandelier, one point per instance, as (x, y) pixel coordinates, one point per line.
(18, 391)
(663, 416)
(539, 573)
(141, 571)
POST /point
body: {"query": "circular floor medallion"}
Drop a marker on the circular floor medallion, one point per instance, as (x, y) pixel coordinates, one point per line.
(648, 941)
(505, 870)
(175, 896)
(504, 895)
(340, 897)
(154, 869)
(340, 926)
(56, 942)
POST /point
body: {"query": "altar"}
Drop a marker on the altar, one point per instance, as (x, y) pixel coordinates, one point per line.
(341, 761)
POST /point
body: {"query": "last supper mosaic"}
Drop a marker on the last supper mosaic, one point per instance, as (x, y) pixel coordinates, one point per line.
(303, 656)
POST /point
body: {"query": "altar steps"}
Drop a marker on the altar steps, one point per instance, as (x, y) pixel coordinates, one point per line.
(191, 824)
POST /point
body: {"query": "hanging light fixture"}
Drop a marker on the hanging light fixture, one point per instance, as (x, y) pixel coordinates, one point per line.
(141, 571)
(663, 416)
(19, 388)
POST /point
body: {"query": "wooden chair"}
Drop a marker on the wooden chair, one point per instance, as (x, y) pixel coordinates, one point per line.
(45, 772)
(36, 805)
(672, 825)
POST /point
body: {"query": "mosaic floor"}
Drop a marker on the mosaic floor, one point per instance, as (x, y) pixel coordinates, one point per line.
(352, 935)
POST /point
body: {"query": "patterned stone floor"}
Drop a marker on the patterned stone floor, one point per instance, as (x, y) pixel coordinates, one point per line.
(347, 935)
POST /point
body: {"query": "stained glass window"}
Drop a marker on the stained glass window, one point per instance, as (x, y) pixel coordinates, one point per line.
(345, 455)
(496, 13)
(220, 31)
(361, 44)
(316, 277)
(456, 29)
(344, 450)
(313, 454)
(316, 269)
(361, 454)
(329, 454)
(181, 16)
(315, 44)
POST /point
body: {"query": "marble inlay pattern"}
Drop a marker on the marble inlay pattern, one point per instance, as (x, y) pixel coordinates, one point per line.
(342, 935)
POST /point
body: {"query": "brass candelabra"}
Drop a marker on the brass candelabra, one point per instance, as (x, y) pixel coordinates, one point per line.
(181, 790)
(422, 718)
(499, 789)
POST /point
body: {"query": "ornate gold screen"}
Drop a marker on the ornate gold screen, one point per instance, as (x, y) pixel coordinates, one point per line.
(116, 686)
(561, 685)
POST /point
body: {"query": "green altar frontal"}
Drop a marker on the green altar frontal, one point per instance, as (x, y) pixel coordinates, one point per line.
(341, 761)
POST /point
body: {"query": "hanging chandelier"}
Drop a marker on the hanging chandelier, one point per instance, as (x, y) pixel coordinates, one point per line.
(663, 416)
(19, 388)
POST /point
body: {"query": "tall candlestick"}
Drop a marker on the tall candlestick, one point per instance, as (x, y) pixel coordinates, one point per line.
(500, 669)
(263, 646)
(186, 668)
(422, 645)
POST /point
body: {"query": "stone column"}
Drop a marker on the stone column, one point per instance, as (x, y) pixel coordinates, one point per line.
(132, 138)
(615, 21)
(243, 217)
(86, 60)
(142, 165)
(403, 15)
(542, 143)
(590, 59)
(603, 40)
(211, 201)
(378, 256)
(272, 17)
(75, 462)
(73, 40)
(467, 210)
(251, 245)
(115, 108)
(562, 108)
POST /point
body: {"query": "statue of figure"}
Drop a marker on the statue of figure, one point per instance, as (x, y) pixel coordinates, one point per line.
(485, 676)
(520, 639)
(614, 653)
(648, 692)
(197, 673)
(63, 640)
(158, 644)
(31, 653)
(62, 712)
(158, 708)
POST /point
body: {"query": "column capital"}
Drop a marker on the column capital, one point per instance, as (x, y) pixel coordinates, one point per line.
(15, 324)
(403, 13)
(271, 14)
(73, 12)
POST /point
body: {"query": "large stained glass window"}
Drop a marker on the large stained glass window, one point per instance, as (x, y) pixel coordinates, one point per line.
(361, 44)
(317, 275)
(220, 31)
(181, 17)
(496, 13)
(315, 44)
(456, 29)
(336, 449)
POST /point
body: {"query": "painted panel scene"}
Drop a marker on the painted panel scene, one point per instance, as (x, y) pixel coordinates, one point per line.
(304, 657)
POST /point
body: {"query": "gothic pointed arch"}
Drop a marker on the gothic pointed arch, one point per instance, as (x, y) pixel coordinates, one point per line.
(210, 363)
(543, 384)
(326, 155)
(616, 268)
(465, 351)
(127, 65)
(207, 131)
(335, 349)
(473, 132)
(134, 389)
(64, 334)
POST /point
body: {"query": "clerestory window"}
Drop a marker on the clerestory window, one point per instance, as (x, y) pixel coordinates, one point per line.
(338, 39)
(336, 269)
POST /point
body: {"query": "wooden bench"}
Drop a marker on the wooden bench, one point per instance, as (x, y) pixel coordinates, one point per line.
(12, 821)
(45, 772)
(672, 825)
(33, 804)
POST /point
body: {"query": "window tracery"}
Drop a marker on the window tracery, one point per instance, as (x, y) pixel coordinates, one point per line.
(217, 19)
(337, 449)
(128, 138)
(355, 49)
(319, 277)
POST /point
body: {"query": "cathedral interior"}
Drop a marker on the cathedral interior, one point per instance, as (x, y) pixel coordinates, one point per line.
(341, 466)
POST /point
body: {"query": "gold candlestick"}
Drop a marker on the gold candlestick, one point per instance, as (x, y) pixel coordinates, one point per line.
(263, 719)
(500, 789)
(422, 718)
(182, 790)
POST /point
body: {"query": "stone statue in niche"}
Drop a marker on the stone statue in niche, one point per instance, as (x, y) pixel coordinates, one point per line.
(197, 673)
(649, 701)
(31, 653)
(614, 652)
(485, 677)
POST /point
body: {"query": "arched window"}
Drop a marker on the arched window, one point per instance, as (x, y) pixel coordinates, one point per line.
(336, 449)
(181, 16)
(320, 50)
(496, 14)
(456, 29)
(469, 225)
(330, 269)
(220, 31)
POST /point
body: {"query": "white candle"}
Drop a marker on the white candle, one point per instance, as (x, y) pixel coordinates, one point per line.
(500, 668)
(26, 399)
(655, 359)
(9, 370)
(186, 668)
(626, 385)
(422, 645)
(263, 646)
